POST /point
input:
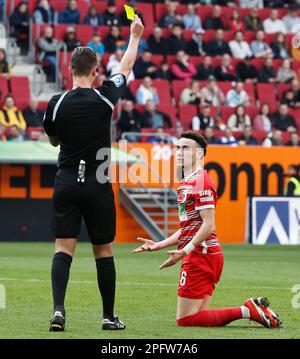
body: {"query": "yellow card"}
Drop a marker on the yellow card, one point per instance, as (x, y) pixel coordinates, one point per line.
(129, 12)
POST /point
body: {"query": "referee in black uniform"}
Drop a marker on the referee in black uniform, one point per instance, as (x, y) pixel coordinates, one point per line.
(79, 121)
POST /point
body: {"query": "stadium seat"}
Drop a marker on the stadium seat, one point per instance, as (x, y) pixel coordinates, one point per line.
(227, 111)
(160, 10)
(3, 88)
(259, 135)
(162, 86)
(20, 90)
(178, 86)
(204, 11)
(281, 88)
(186, 113)
(157, 59)
(84, 32)
(148, 14)
(170, 111)
(295, 112)
(266, 94)
(35, 132)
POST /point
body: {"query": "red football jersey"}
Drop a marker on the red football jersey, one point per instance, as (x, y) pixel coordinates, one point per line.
(195, 193)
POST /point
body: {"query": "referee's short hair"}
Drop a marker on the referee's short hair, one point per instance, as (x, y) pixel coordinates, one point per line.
(83, 60)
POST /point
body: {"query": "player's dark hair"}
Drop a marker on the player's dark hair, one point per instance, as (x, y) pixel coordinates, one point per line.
(195, 136)
(83, 60)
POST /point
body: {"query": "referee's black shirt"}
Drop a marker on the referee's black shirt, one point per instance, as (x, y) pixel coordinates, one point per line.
(81, 119)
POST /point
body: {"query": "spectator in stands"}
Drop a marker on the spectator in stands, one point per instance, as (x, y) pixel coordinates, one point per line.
(197, 46)
(71, 14)
(267, 73)
(228, 139)
(225, 71)
(113, 65)
(218, 47)
(191, 20)
(174, 139)
(152, 118)
(176, 41)
(294, 140)
(274, 3)
(19, 22)
(3, 136)
(130, 120)
(11, 116)
(289, 98)
(47, 46)
(70, 39)
(283, 121)
(259, 4)
(273, 24)
(205, 69)
(123, 17)
(211, 94)
(156, 139)
(296, 92)
(285, 73)
(262, 121)
(279, 47)
(259, 47)
(203, 119)
(110, 16)
(144, 66)
(164, 72)
(237, 95)
(253, 21)
(215, 20)
(171, 17)
(239, 119)
(157, 44)
(32, 114)
(147, 92)
(246, 72)
(4, 66)
(274, 138)
(45, 13)
(114, 41)
(92, 17)
(235, 22)
(209, 134)
(182, 69)
(291, 19)
(191, 95)
(239, 47)
(246, 139)
(96, 44)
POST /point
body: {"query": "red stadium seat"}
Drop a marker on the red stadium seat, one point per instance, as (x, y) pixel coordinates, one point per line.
(157, 59)
(227, 111)
(259, 135)
(147, 11)
(203, 11)
(3, 88)
(266, 94)
(160, 10)
(34, 133)
(170, 111)
(295, 112)
(186, 113)
(84, 32)
(20, 90)
(59, 5)
(281, 88)
(178, 87)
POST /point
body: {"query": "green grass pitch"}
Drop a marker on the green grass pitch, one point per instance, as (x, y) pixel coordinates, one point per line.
(146, 297)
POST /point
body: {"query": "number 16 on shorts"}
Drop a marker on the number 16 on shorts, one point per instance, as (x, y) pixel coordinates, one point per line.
(182, 280)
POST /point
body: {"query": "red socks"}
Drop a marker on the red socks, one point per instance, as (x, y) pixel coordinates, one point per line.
(211, 318)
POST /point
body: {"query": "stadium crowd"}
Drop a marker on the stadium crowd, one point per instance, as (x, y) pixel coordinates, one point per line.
(226, 68)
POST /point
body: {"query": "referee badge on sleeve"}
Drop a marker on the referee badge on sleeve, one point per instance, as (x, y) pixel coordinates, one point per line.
(118, 80)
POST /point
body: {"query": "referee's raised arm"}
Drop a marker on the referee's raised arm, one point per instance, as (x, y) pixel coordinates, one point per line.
(128, 60)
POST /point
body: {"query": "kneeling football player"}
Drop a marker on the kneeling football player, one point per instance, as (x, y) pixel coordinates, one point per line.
(199, 250)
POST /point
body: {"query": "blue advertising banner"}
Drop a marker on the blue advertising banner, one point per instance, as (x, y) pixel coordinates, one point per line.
(275, 220)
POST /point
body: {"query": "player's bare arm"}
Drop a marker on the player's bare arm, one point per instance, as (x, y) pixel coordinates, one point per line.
(128, 60)
(150, 246)
(207, 228)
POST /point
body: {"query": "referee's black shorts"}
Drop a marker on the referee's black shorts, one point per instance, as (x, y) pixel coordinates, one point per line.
(92, 201)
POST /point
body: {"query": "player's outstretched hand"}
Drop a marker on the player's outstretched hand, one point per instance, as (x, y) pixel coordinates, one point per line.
(175, 256)
(137, 27)
(148, 246)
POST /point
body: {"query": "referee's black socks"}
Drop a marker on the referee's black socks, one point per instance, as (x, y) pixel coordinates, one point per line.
(106, 275)
(60, 275)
